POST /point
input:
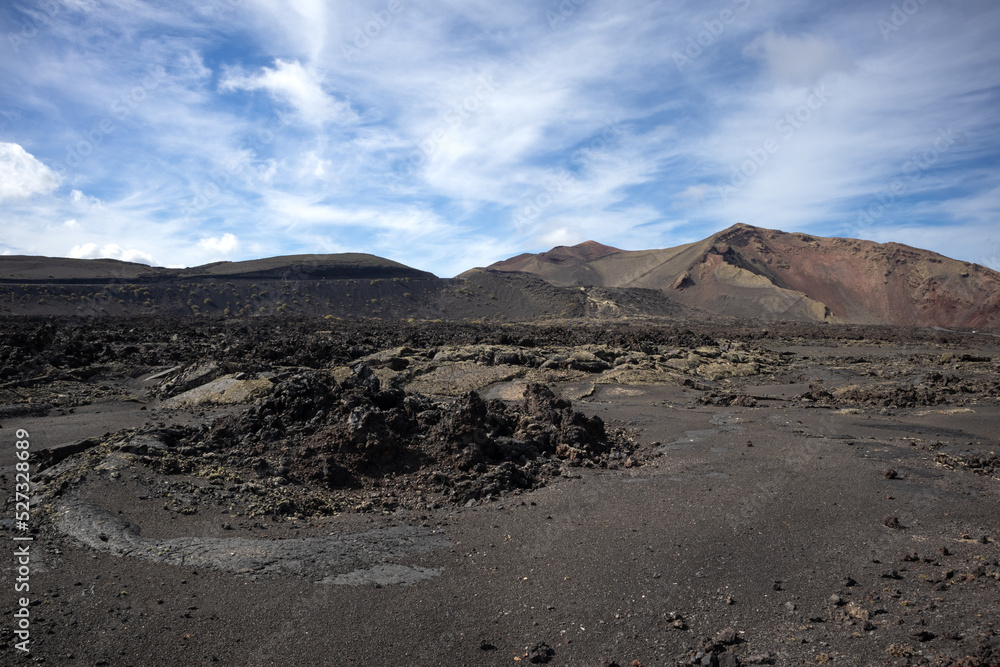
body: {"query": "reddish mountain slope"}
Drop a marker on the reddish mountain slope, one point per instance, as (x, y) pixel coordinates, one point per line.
(563, 265)
(753, 272)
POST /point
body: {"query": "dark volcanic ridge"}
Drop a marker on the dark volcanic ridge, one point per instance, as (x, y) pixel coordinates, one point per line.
(332, 286)
(741, 272)
(315, 447)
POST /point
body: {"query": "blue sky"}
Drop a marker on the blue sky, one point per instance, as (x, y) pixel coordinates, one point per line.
(451, 134)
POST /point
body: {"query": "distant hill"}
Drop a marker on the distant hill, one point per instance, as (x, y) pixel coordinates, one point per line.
(577, 256)
(61, 270)
(745, 271)
(741, 272)
(341, 285)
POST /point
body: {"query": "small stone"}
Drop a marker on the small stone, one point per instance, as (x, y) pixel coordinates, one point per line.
(922, 635)
(944, 551)
(790, 607)
(848, 582)
(891, 522)
(727, 637)
(890, 473)
(539, 653)
(729, 660)
(836, 600)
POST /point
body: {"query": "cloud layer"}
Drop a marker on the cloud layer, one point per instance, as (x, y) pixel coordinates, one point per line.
(454, 134)
(21, 175)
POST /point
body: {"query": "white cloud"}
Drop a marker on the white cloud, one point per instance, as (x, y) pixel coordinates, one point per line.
(22, 175)
(692, 195)
(799, 60)
(560, 236)
(191, 65)
(304, 213)
(290, 82)
(314, 166)
(111, 251)
(85, 251)
(81, 199)
(224, 245)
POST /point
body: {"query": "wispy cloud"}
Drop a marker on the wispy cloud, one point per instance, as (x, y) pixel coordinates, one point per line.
(290, 82)
(798, 60)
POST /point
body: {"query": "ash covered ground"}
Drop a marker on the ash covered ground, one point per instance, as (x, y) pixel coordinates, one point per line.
(300, 491)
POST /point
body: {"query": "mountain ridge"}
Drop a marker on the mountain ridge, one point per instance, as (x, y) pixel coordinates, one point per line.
(28, 268)
(740, 272)
(749, 271)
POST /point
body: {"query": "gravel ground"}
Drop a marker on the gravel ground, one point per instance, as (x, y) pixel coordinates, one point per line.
(774, 497)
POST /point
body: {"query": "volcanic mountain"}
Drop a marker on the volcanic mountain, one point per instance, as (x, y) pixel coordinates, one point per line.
(576, 259)
(743, 271)
(347, 285)
(747, 271)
